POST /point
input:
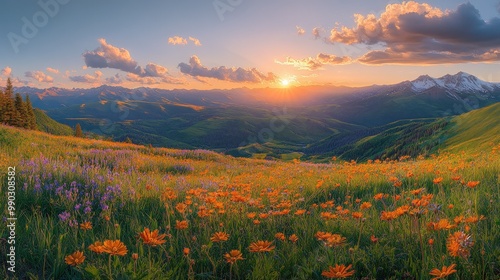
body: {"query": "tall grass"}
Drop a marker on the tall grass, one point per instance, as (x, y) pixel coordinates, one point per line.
(63, 182)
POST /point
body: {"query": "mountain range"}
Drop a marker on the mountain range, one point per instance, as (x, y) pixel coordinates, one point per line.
(309, 121)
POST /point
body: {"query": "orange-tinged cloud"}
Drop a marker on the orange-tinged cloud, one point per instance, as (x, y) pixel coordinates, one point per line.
(195, 69)
(195, 41)
(87, 78)
(314, 63)
(6, 71)
(39, 76)
(300, 30)
(417, 33)
(177, 40)
(52, 70)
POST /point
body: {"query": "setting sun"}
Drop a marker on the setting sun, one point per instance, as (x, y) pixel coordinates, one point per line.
(285, 82)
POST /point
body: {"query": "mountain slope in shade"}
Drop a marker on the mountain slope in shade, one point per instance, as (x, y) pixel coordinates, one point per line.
(47, 124)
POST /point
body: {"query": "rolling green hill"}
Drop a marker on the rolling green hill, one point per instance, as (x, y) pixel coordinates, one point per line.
(47, 124)
(470, 131)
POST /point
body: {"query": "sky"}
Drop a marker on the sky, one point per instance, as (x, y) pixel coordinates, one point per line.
(208, 44)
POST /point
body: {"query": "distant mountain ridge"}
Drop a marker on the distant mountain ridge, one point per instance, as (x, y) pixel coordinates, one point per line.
(456, 86)
(266, 120)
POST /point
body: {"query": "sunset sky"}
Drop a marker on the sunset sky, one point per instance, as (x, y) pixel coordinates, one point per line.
(243, 43)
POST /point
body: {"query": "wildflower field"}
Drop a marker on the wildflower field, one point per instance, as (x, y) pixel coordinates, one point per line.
(89, 209)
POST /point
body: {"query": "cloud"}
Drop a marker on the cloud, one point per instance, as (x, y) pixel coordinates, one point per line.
(6, 71)
(316, 32)
(142, 80)
(195, 41)
(52, 70)
(87, 78)
(39, 76)
(109, 56)
(314, 63)
(300, 30)
(116, 79)
(416, 33)
(196, 69)
(177, 40)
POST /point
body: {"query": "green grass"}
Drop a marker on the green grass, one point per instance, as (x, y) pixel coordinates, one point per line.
(47, 124)
(61, 172)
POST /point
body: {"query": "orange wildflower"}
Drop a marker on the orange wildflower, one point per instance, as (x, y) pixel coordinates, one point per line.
(280, 236)
(459, 244)
(441, 224)
(417, 191)
(75, 259)
(373, 239)
(261, 246)
(233, 256)
(86, 226)
(357, 215)
(335, 240)
(219, 237)
(181, 207)
(474, 219)
(114, 248)
(135, 256)
(181, 224)
(186, 251)
(437, 180)
(365, 205)
(338, 271)
(443, 273)
(300, 212)
(378, 196)
(152, 238)
(293, 238)
(96, 247)
(472, 184)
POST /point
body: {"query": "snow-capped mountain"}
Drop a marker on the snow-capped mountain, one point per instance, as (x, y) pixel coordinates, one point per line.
(460, 82)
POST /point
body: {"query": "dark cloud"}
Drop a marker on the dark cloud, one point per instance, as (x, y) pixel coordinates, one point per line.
(116, 79)
(109, 56)
(417, 33)
(314, 63)
(196, 69)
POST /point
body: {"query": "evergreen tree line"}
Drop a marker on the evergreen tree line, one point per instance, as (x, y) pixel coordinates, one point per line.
(14, 111)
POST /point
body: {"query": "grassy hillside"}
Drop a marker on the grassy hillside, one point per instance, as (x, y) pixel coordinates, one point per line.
(288, 220)
(47, 124)
(475, 130)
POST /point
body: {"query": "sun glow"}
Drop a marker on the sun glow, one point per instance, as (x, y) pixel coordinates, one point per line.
(285, 82)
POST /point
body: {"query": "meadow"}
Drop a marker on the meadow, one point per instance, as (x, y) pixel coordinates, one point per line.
(91, 209)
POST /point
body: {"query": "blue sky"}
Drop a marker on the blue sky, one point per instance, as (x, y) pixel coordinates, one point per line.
(243, 42)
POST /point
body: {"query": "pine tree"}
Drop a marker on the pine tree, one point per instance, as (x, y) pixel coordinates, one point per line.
(22, 115)
(2, 105)
(9, 89)
(30, 114)
(78, 131)
(9, 112)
